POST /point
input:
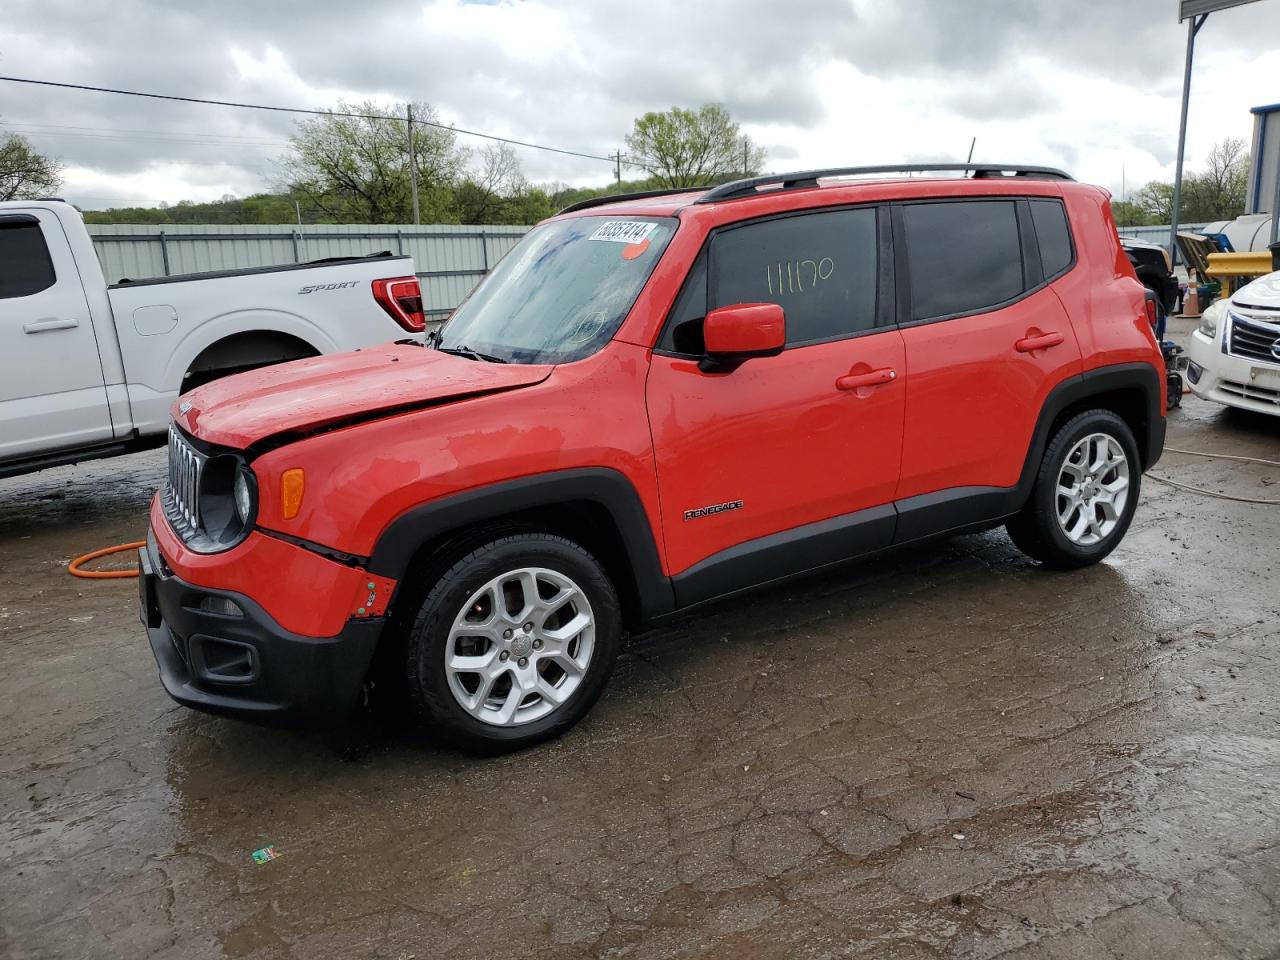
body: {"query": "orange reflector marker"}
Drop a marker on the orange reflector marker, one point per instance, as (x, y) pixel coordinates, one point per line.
(292, 482)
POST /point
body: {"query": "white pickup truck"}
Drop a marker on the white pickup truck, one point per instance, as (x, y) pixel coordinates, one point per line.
(90, 370)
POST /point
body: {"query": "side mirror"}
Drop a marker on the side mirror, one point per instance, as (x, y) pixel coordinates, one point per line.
(741, 331)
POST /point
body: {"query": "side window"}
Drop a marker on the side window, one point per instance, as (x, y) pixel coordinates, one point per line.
(1050, 220)
(684, 331)
(964, 256)
(821, 268)
(25, 265)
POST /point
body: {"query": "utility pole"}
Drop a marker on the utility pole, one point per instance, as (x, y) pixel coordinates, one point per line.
(1194, 24)
(746, 145)
(617, 167)
(413, 166)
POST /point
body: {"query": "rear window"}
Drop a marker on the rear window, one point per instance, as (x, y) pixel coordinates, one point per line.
(1050, 220)
(964, 256)
(25, 265)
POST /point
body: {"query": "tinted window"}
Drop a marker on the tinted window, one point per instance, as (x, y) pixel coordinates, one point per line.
(964, 256)
(25, 267)
(1051, 231)
(820, 268)
(684, 331)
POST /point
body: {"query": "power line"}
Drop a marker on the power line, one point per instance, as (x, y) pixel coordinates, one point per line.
(57, 129)
(316, 113)
(133, 138)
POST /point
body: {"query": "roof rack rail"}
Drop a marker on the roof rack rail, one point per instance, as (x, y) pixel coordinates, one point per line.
(618, 197)
(810, 178)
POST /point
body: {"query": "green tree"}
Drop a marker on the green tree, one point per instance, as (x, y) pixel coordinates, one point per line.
(691, 148)
(1218, 190)
(356, 169)
(1155, 199)
(1130, 214)
(1215, 192)
(25, 173)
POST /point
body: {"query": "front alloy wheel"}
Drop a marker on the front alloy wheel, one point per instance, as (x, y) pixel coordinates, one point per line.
(512, 643)
(520, 647)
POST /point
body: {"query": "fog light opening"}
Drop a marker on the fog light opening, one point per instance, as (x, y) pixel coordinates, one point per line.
(1194, 372)
(221, 606)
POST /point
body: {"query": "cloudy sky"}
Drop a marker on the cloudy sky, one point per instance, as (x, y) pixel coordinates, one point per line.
(1090, 85)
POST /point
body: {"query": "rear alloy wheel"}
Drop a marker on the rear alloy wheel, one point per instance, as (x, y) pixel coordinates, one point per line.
(514, 643)
(1084, 494)
(1093, 489)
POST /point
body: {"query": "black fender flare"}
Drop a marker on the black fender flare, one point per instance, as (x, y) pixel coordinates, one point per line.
(608, 488)
(1143, 377)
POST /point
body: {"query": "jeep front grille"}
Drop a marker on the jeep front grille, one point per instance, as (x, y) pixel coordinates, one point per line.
(1252, 340)
(182, 495)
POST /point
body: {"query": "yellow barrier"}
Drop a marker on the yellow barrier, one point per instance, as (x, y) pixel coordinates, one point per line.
(1225, 265)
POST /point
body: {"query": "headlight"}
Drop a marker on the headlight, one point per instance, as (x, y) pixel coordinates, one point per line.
(1210, 318)
(228, 501)
(243, 495)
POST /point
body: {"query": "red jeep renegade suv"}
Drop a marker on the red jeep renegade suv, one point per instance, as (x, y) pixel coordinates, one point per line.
(651, 402)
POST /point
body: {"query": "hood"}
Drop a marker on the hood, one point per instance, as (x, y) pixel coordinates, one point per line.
(1263, 292)
(307, 396)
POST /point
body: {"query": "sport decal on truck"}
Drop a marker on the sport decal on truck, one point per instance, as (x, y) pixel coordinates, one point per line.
(318, 287)
(713, 509)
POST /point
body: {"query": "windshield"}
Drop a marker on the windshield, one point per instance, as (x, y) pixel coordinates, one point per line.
(562, 291)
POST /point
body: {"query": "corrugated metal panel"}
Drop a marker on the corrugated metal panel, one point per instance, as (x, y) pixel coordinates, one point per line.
(1158, 234)
(449, 259)
(1194, 8)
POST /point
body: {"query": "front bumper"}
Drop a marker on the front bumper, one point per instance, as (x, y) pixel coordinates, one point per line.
(247, 666)
(1224, 378)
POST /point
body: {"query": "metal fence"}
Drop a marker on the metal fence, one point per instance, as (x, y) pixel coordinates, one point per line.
(450, 260)
(1158, 235)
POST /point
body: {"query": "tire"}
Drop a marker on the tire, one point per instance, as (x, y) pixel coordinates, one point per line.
(1076, 541)
(527, 653)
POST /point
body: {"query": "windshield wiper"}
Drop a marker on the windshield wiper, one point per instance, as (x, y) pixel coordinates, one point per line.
(462, 351)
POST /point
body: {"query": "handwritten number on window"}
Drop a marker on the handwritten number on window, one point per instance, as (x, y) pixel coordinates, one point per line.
(791, 275)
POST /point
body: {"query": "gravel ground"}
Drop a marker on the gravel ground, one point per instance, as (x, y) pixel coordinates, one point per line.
(948, 753)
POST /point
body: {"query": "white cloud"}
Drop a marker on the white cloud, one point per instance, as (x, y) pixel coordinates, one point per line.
(1092, 86)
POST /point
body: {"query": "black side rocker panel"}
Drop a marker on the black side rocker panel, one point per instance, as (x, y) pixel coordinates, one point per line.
(608, 488)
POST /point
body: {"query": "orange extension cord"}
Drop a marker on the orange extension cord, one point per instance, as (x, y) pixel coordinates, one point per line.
(74, 567)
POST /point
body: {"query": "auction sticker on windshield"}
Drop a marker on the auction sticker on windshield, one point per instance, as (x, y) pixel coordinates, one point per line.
(624, 231)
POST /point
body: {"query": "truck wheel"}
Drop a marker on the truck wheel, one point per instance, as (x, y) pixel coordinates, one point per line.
(514, 643)
(1084, 494)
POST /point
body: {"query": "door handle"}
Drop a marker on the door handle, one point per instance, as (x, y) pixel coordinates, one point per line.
(50, 323)
(1041, 341)
(855, 381)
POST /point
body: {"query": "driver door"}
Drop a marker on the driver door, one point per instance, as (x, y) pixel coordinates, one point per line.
(787, 462)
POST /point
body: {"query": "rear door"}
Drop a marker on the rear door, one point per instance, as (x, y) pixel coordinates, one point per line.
(986, 340)
(783, 464)
(52, 393)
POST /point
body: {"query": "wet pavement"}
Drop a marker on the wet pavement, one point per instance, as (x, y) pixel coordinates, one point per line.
(952, 753)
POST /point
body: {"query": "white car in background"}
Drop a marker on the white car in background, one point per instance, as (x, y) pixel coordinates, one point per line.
(1234, 356)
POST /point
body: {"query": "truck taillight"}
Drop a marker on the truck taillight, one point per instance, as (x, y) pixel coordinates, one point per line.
(1153, 315)
(401, 297)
